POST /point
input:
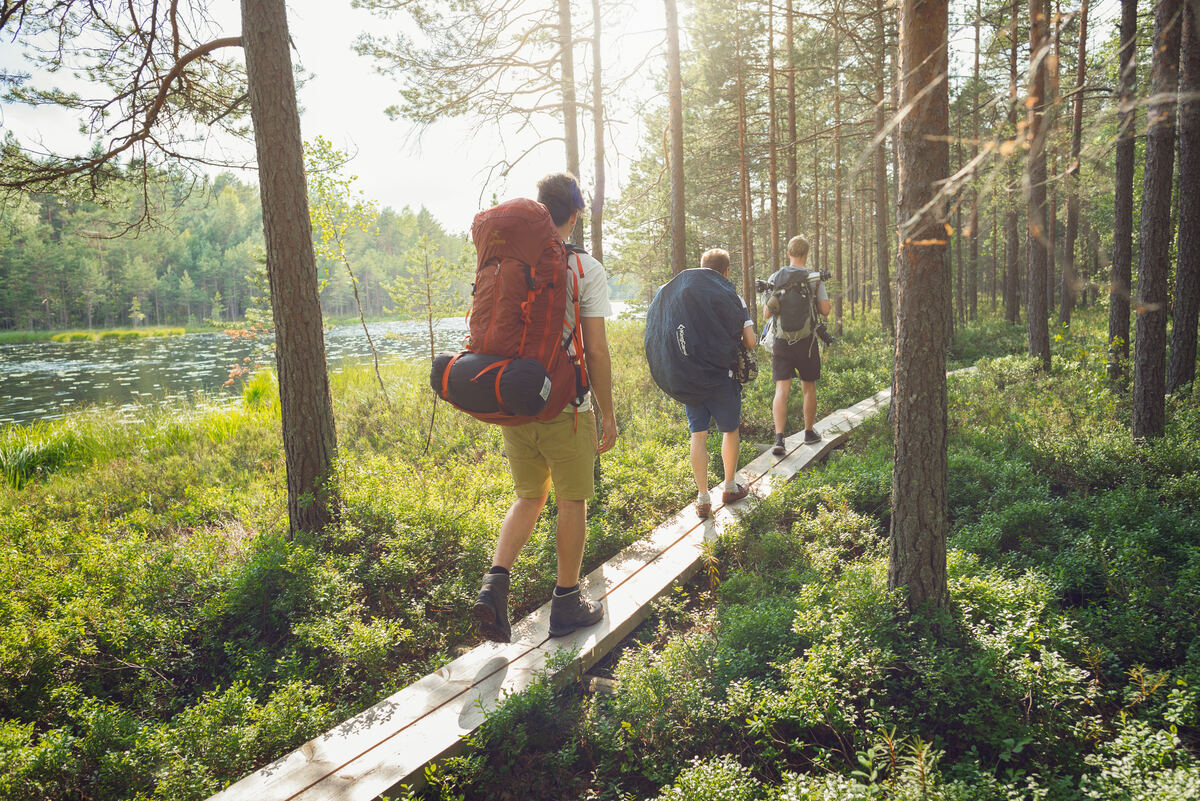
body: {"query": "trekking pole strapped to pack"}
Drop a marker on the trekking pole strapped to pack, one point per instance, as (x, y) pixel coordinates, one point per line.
(522, 362)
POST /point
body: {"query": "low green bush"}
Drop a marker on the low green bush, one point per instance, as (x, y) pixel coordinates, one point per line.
(1067, 667)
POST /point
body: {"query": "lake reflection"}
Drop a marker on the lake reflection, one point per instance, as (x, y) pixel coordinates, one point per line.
(47, 379)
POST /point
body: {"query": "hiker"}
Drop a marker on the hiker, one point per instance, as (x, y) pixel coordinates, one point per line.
(561, 451)
(791, 357)
(695, 327)
(724, 404)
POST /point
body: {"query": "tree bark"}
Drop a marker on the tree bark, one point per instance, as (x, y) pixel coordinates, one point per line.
(1181, 368)
(973, 273)
(1012, 306)
(1035, 183)
(1122, 262)
(1070, 273)
(744, 174)
(309, 437)
(675, 93)
(772, 166)
(919, 476)
(597, 231)
(793, 210)
(570, 105)
(1154, 235)
(837, 169)
(882, 256)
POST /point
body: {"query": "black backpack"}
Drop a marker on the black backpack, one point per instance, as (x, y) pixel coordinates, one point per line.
(690, 344)
(792, 303)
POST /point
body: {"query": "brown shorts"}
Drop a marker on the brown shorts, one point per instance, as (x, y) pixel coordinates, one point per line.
(562, 450)
(800, 358)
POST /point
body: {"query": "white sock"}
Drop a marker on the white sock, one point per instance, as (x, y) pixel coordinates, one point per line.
(731, 486)
(702, 497)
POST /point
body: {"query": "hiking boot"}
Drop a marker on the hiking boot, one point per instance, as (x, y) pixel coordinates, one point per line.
(811, 436)
(779, 448)
(739, 491)
(491, 608)
(572, 611)
(703, 510)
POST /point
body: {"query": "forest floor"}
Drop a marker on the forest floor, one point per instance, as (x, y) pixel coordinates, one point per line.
(1067, 666)
(160, 636)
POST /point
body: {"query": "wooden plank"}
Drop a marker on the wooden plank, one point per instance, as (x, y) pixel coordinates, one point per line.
(391, 742)
(313, 762)
(431, 736)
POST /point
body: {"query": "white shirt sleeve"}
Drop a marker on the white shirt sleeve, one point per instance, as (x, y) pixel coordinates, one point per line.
(593, 291)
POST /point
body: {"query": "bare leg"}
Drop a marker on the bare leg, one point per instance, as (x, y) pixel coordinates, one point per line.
(571, 535)
(810, 403)
(729, 453)
(516, 528)
(779, 405)
(699, 453)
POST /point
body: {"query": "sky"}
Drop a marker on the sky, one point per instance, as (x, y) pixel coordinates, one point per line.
(445, 167)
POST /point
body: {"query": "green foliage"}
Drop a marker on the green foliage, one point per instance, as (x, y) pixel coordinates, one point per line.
(720, 779)
(1067, 667)
(67, 264)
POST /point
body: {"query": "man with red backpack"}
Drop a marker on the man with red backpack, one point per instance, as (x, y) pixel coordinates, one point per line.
(561, 451)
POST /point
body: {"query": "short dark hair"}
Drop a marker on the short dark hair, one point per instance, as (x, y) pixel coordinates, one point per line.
(716, 259)
(559, 192)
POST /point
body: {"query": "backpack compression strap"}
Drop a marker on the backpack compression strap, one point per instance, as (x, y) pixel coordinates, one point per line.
(499, 367)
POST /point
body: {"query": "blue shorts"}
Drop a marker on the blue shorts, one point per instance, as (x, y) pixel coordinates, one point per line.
(724, 406)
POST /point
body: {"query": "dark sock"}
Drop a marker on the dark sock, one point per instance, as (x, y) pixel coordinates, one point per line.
(498, 569)
(565, 590)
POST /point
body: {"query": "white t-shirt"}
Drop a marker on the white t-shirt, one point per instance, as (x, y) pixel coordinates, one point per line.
(593, 298)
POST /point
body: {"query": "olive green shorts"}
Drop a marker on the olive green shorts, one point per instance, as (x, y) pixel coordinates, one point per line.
(562, 450)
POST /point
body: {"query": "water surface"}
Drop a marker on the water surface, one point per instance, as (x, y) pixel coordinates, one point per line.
(45, 380)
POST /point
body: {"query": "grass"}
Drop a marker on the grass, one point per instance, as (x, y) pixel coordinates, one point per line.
(1067, 667)
(160, 636)
(94, 335)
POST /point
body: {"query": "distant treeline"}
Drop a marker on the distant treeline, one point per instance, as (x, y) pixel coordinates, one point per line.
(201, 257)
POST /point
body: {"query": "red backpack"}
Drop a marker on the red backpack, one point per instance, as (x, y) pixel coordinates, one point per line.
(517, 367)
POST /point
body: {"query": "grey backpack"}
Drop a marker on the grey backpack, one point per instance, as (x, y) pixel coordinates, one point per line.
(792, 302)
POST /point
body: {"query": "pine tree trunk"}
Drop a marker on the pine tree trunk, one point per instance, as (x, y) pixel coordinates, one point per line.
(744, 174)
(1035, 183)
(570, 105)
(1181, 368)
(1154, 235)
(675, 93)
(597, 231)
(882, 255)
(1070, 274)
(837, 173)
(772, 166)
(1012, 306)
(309, 437)
(792, 224)
(1122, 263)
(973, 274)
(959, 276)
(919, 477)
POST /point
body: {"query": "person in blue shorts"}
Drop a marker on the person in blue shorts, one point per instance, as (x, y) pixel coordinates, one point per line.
(724, 405)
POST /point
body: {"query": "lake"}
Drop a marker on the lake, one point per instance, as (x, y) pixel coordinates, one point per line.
(49, 379)
(45, 380)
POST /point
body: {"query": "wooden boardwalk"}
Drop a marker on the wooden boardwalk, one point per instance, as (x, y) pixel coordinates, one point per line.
(391, 742)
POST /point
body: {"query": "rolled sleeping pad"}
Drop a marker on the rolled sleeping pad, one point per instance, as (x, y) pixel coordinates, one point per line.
(491, 384)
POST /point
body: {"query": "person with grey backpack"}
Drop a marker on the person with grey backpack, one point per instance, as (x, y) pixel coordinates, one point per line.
(796, 302)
